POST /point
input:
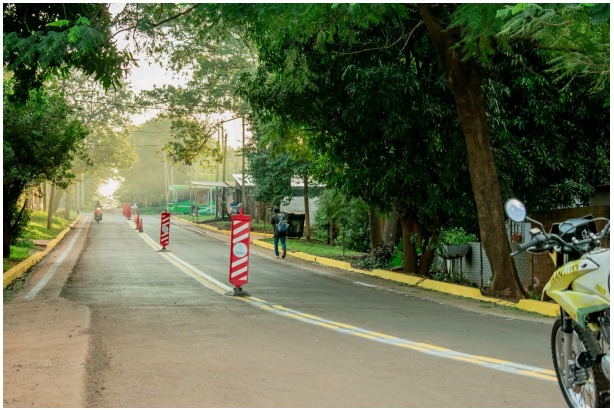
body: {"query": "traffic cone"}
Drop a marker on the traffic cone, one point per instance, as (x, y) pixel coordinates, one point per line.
(141, 225)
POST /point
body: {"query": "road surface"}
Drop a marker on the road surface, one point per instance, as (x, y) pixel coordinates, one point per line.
(108, 320)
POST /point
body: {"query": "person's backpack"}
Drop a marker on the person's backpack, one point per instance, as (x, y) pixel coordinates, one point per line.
(282, 224)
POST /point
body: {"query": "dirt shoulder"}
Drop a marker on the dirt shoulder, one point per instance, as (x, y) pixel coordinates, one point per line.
(45, 351)
(46, 337)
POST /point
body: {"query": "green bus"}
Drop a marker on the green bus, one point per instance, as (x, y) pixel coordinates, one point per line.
(182, 201)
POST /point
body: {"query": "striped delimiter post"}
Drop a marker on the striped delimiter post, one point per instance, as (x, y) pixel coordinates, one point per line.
(165, 229)
(239, 249)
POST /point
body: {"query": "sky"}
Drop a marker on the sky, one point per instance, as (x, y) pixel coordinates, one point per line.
(150, 73)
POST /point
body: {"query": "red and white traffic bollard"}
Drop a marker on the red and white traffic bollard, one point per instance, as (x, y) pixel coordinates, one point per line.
(165, 229)
(239, 252)
(127, 211)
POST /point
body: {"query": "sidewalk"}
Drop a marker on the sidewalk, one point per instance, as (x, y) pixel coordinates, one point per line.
(529, 305)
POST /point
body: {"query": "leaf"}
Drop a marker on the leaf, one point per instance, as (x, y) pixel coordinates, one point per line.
(519, 8)
(58, 23)
(74, 34)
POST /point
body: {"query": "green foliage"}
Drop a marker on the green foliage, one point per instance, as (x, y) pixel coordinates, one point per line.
(193, 141)
(575, 38)
(549, 145)
(318, 248)
(37, 226)
(456, 236)
(380, 258)
(382, 122)
(20, 220)
(108, 117)
(349, 217)
(271, 174)
(21, 250)
(451, 277)
(41, 140)
(41, 40)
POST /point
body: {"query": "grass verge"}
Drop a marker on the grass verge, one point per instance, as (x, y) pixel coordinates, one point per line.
(36, 230)
(317, 248)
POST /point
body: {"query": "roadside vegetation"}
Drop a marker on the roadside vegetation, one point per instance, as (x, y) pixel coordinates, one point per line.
(406, 120)
(35, 230)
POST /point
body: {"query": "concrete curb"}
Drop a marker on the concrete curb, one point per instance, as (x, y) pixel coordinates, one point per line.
(543, 308)
(21, 268)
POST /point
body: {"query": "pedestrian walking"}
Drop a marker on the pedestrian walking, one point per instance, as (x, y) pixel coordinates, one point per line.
(280, 229)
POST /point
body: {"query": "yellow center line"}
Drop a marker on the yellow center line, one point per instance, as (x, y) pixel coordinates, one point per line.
(537, 374)
(466, 359)
(433, 347)
(383, 336)
(220, 288)
(343, 325)
(418, 348)
(490, 359)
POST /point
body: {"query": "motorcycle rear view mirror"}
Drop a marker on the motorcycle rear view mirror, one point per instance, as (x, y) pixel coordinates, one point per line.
(515, 210)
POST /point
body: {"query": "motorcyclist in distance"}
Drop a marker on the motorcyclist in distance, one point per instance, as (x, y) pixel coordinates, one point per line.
(96, 207)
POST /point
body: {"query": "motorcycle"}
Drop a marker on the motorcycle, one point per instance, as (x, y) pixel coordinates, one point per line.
(98, 215)
(580, 339)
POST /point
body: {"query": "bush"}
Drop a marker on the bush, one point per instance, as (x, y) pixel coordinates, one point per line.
(380, 259)
(349, 216)
(456, 236)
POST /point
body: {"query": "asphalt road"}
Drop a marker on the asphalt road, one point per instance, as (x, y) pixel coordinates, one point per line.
(164, 333)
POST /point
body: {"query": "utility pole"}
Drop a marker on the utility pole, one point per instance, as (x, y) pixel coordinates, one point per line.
(243, 196)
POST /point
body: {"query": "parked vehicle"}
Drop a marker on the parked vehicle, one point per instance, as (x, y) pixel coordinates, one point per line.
(580, 340)
(98, 215)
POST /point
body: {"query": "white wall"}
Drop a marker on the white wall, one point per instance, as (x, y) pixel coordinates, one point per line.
(297, 204)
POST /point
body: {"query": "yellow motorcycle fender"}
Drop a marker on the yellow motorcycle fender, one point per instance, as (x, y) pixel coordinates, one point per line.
(578, 304)
(566, 274)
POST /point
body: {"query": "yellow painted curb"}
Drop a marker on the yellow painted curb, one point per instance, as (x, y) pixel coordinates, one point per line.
(301, 255)
(21, 268)
(451, 288)
(263, 244)
(333, 263)
(394, 276)
(543, 308)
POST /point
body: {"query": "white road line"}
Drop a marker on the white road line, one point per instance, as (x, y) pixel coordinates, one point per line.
(45, 279)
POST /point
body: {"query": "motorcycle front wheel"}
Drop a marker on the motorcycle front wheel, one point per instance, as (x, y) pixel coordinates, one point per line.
(595, 392)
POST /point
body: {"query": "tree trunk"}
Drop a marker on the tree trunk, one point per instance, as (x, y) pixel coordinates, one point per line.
(306, 199)
(391, 227)
(6, 234)
(464, 80)
(59, 193)
(428, 252)
(10, 199)
(375, 231)
(67, 202)
(410, 256)
(44, 184)
(50, 209)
